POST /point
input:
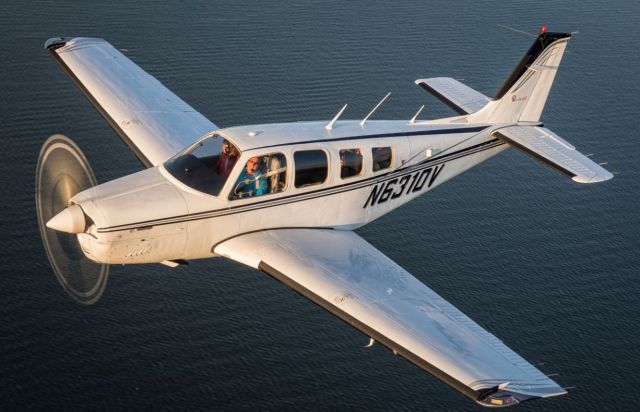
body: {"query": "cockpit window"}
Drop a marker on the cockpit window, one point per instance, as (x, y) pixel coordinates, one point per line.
(205, 166)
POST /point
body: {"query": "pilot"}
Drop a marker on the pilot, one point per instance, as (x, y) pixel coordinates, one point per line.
(252, 181)
(227, 159)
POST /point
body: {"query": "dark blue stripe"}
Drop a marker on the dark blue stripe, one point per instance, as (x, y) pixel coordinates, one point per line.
(381, 135)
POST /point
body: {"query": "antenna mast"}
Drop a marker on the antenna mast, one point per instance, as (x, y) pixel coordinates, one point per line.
(413, 119)
(336, 117)
(374, 109)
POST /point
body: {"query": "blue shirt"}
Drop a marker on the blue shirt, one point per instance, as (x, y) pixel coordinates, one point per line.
(249, 185)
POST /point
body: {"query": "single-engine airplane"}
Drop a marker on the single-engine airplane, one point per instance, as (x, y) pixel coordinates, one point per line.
(285, 199)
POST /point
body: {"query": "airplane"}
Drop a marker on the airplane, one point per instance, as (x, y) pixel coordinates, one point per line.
(285, 199)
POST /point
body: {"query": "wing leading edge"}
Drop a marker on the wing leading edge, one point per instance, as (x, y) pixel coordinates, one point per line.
(150, 119)
(348, 277)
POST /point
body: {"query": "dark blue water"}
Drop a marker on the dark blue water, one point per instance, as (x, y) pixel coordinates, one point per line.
(549, 266)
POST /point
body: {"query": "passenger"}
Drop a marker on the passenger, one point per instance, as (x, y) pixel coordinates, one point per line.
(381, 158)
(252, 181)
(350, 162)
(227, 159)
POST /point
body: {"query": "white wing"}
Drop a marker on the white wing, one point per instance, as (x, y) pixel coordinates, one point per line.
(546, 146)
(460, 97)
(153, 121)
(345, 275)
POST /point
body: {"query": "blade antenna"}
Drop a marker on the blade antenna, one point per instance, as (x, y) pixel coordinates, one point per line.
(413, 119)
(374, 109)
(336, 117)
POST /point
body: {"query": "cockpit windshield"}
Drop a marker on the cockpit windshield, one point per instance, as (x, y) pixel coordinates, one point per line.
(205, 166)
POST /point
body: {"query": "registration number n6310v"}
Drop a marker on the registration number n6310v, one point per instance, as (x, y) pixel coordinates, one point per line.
(403, 185)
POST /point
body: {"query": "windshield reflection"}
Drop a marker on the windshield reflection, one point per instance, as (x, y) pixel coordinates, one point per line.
(206, 166)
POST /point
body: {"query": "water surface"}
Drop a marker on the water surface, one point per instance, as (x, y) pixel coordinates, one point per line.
(547, 265)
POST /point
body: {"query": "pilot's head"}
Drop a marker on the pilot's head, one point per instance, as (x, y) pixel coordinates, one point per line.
(253, 165)
(226, 146)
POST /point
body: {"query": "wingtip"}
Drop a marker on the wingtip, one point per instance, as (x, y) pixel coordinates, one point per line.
(55, 43)
(602, 176)
(510, 394)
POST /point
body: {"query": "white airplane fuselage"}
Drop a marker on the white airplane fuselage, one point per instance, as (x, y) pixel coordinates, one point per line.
(150, 216)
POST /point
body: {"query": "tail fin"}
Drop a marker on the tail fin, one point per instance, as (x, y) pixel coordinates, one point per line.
(523, 95)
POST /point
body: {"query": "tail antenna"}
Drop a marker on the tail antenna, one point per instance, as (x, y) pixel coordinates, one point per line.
(520, 31)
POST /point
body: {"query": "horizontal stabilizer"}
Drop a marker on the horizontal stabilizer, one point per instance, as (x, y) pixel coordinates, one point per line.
(460, 97)
(548, 147)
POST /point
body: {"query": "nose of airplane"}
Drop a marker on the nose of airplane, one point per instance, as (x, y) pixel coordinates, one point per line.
(70, 220)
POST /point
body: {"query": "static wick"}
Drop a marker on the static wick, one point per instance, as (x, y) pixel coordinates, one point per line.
(374, 109)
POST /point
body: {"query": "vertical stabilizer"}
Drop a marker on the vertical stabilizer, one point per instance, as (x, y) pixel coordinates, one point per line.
(523, 95)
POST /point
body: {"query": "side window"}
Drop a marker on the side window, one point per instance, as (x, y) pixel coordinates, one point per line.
(261, 175)
(311, 167)
(350, 163)
(381, 158)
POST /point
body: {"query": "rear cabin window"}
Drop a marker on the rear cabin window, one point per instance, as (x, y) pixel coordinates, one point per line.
(311, 167)
(381, 158)
(350, 163)
(261, 175)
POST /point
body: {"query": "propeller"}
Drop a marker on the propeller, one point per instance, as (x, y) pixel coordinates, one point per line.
(61, 172)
